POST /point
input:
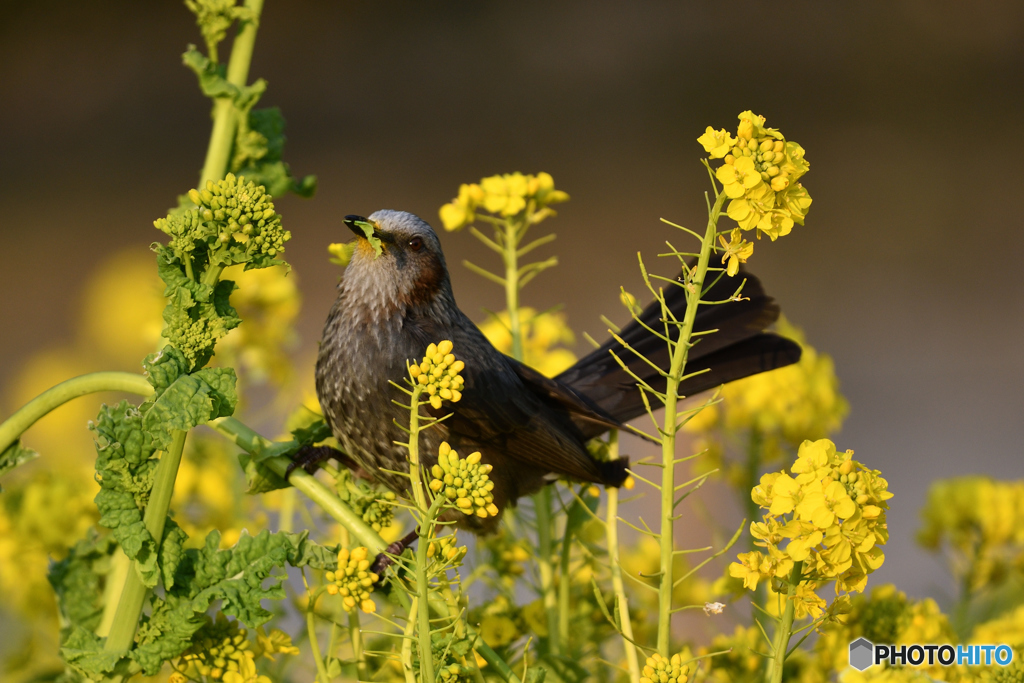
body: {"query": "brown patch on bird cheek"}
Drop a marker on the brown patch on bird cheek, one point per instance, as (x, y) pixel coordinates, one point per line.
(428, 276)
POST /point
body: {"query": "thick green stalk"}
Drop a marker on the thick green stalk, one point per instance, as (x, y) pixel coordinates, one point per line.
(133, 595)
(671, 425)
(54, 397)
(564, 589)
(225, 115)
(426, 532)
(619, 590)
(784, 630)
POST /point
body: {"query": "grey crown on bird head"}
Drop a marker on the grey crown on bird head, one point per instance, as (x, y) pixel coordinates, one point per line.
(529, 427)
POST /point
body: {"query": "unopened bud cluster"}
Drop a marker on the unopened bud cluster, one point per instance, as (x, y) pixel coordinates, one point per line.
(445, 547)
(353, 580)
(464, 482)
(234, 218)
(220, 647)
(438, 373)
(660, 669)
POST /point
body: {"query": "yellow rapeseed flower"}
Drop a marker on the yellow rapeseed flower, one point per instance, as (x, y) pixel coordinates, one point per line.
(716, 143)
(738, 177)
(658, 669)
(353, 580)
(830, 515)
(464, 482)
(736, 251)
(438, 373)
(505, 194)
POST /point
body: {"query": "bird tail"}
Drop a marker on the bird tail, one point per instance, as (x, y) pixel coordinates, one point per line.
(738, 347)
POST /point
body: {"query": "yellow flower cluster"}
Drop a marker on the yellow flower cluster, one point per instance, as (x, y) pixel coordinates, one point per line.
(982, 521)
(438, 372)
(831, 512)
(353, 580)
(464, 482)
(545, 336)
(660, 669)
(760, 176)
(504, 195)
(220, 651)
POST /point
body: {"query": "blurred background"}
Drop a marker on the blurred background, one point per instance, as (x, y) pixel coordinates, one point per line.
(910, 112)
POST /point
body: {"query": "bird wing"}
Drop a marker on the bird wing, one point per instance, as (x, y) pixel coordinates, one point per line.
(503, 413)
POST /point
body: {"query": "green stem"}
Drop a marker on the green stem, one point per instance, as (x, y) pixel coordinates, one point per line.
(356, 635)
(407, 639)
(621, 601)
(541, 499)
(564, 589)
(755, 446)
(677, 369)
(785, 628)
(426, 532)
(225, 114)
(54, 397)
(321, 669)
(133, 595)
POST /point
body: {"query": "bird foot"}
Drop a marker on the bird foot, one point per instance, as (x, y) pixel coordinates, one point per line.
(310, 458)
(386, 558)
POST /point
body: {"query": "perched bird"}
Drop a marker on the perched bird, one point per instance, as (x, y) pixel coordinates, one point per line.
(530, 428)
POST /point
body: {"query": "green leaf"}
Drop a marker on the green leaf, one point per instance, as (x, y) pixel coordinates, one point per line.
(123, 517)
(259, 147)
(172, 552)
(164, 366)
(260, 478)
(83, 650)
(368, 230)
(80, 578)
(313, 433)
(15, 455)
(235, 576)
(190, 401)
(222, 384)
(213, 83)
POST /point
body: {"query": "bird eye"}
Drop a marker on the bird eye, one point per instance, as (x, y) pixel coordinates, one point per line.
(416, 244)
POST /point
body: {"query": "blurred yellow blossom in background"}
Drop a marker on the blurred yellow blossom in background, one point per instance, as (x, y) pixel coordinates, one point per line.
(503, 195)
(545, 336)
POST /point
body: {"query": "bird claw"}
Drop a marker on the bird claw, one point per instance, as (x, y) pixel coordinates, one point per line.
(386, 558)
(310, 458)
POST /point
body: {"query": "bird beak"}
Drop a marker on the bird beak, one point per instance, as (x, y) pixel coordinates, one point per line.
(355, 224)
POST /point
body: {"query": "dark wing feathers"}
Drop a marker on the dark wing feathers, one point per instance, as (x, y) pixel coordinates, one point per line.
(502, 413)
(737, 349)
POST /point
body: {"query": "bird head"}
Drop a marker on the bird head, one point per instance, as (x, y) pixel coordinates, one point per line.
(410, 268)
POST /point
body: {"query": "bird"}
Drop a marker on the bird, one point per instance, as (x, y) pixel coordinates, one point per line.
(530, 428)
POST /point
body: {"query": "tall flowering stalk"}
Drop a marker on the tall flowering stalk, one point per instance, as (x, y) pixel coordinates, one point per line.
(454, 483)
(512, 203)
(761, 193)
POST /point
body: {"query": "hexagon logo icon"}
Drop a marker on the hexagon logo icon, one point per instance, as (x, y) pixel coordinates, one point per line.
(862, 653)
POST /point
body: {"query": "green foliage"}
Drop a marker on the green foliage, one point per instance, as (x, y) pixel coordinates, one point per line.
(14, 455)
